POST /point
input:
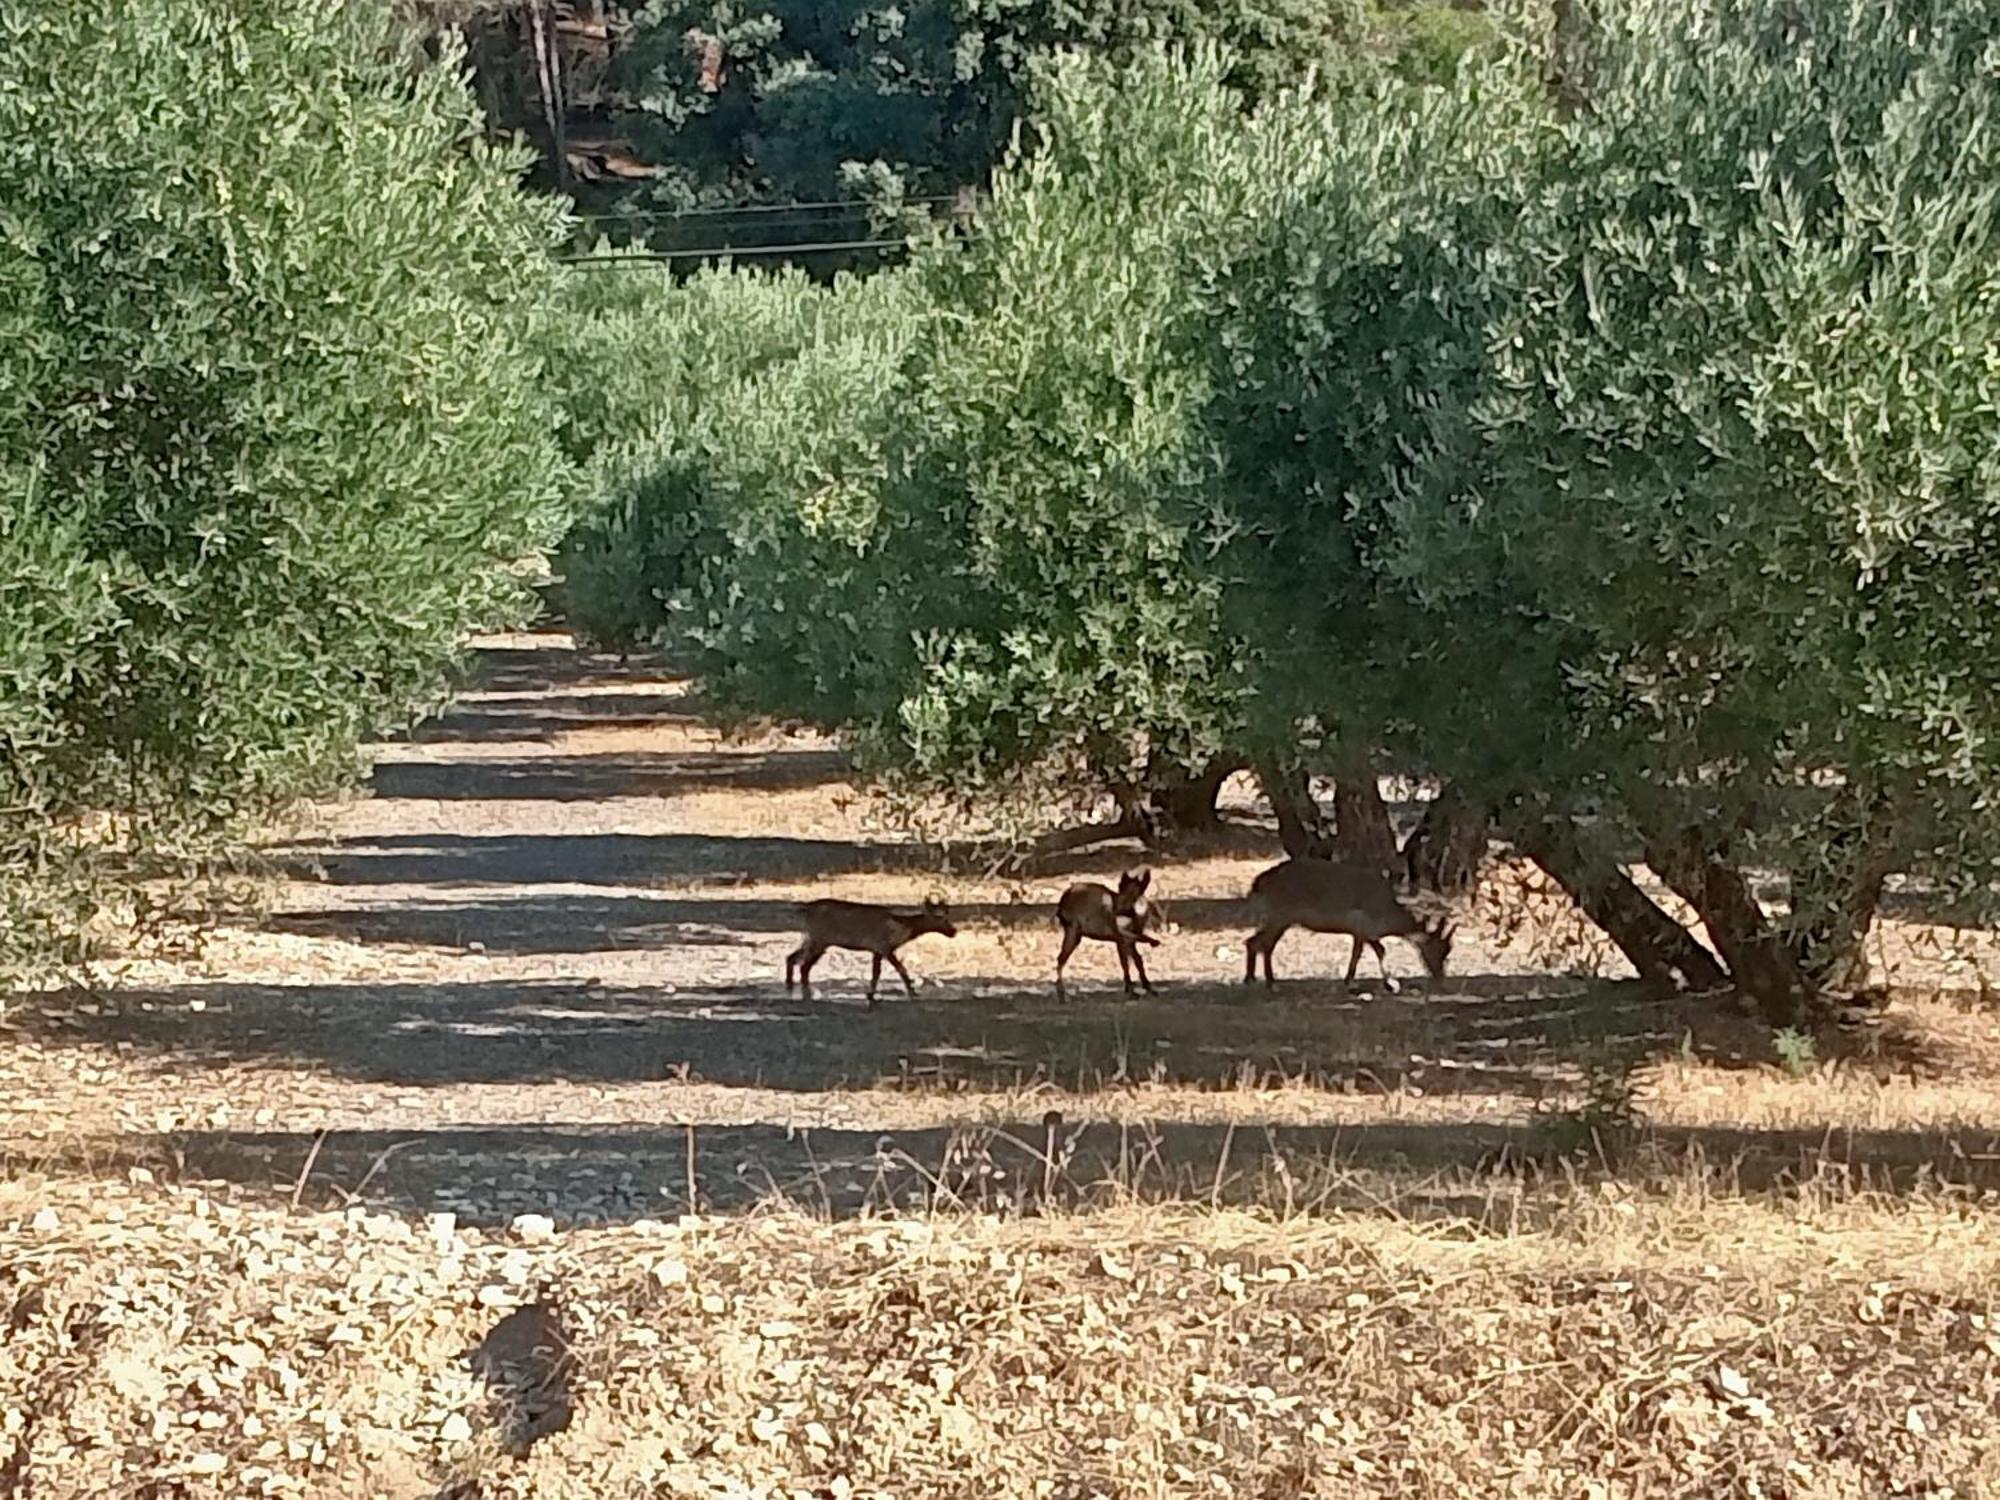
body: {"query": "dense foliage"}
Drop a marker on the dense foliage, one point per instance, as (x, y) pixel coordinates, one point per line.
(732, 426)
(269, 434)
(1632, 466)
(791, 101)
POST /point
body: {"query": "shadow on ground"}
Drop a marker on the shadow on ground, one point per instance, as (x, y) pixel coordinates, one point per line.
(613, 1174)
(591, 778)
(1519, 1040)
(564, 922)
(447, 859)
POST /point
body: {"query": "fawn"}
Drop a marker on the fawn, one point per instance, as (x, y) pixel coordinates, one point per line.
(1090, 910)
(1322, 896)
(876, 930)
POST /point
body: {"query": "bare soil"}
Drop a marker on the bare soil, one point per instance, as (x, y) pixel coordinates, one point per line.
(1523, 1231)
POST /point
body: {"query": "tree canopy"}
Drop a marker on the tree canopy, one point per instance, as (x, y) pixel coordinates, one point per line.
(705, 105)
(1629, 466)
(270, 435)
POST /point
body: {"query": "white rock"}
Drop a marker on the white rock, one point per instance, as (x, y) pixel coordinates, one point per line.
(536, 1229)
(455, 1429)
(45, 1221)
(670, 1272)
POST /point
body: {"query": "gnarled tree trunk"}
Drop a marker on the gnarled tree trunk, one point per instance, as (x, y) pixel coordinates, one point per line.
(1172, 802)
(1302, 827)
(1760, 961)
(1183, 803)
(1658, 946)
(1445, 850)
(1833, 908)
(1362, 832)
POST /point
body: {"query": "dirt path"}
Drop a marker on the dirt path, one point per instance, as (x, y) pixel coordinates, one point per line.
(538, 971)
(551, 939)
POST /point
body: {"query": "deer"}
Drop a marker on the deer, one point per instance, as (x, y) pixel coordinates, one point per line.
(875, 930)
(1091, 910)
(1322, 896)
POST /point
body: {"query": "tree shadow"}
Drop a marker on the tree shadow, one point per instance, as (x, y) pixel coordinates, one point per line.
(977, 1036)
(591, 778)
(543, 922)
(552, 668)
(1917, 903)
(546, 715)
(448, 859)
(1415, 1171)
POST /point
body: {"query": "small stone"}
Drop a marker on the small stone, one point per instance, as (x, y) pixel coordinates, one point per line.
(535, 1229)
(455, 1429)
(45, 1221)
(670, 1272)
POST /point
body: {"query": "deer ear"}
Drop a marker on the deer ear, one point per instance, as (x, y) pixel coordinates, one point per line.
(1141, 877)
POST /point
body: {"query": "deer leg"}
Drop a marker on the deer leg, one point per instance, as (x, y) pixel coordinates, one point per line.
(1071, 937)
(1124, 961)
(904, 974)
(1353, 961)
(1382, 962)
(874, 978)
(807, 957)
(1139, 963)
(1263, 941)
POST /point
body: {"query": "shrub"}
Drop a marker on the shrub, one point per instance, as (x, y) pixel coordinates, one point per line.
(270, 442)
(731, 427)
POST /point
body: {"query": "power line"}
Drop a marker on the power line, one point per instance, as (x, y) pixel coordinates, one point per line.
(840, 224)
(754, 208)
(735, 251)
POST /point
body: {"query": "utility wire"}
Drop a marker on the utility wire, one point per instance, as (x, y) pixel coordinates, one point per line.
(735, 251)
(838, 224)
(753, 208)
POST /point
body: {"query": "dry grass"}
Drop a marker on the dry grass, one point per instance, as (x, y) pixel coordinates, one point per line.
(1522, 1233)
(1671, 1343)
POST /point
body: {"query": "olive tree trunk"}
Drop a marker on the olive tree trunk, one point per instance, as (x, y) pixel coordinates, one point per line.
(1446, 849)
(1663, 951)
(1302, 827)
(1760, 960)
(1362, 832)
(1834, 906)
(1172, 802)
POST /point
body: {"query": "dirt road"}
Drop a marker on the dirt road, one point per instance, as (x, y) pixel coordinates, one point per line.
(539, 967)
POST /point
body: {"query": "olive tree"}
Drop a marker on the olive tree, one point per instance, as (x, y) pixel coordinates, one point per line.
(1742, 444)
(1667, 447)
(731, 428)
(270, 440)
